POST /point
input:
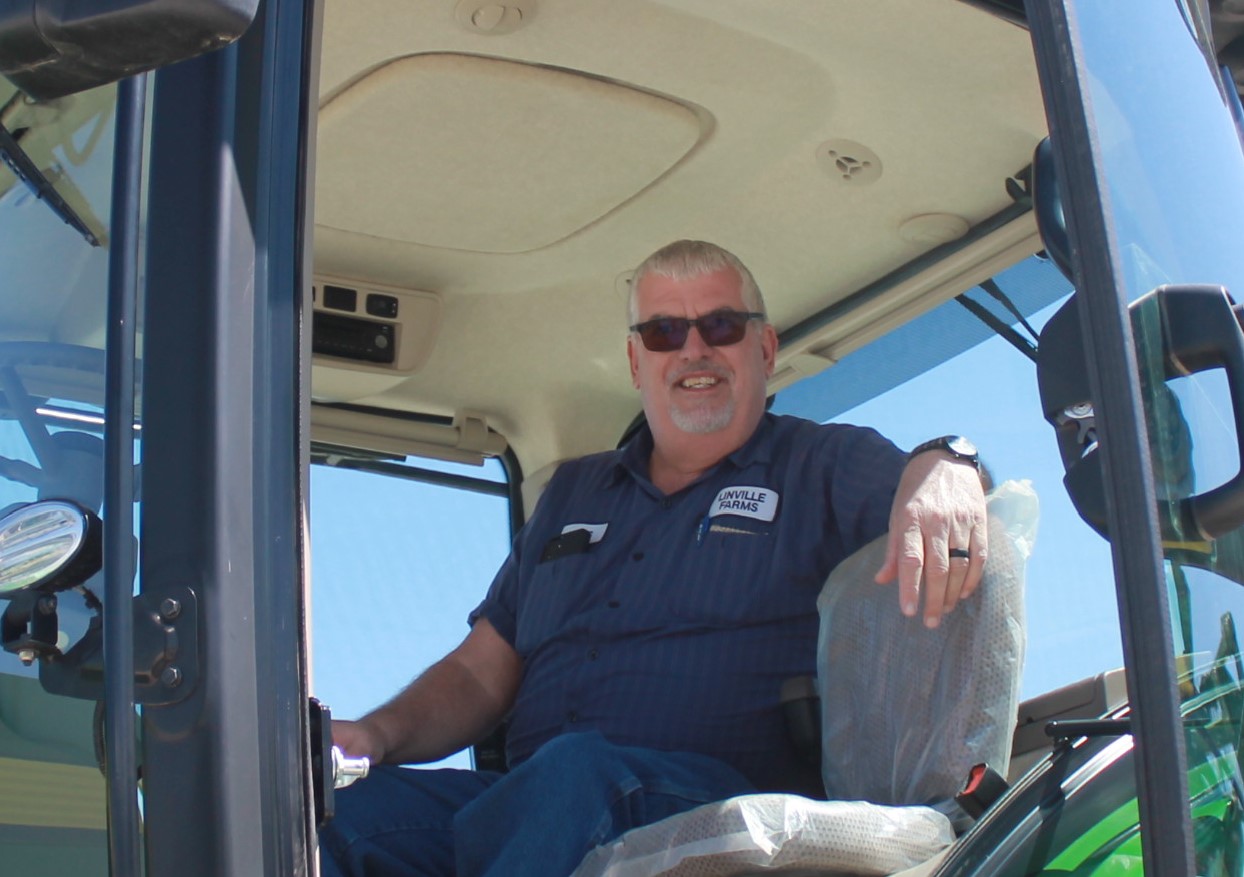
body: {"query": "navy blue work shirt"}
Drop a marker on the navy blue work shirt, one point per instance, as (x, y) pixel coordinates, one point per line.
(670, 622)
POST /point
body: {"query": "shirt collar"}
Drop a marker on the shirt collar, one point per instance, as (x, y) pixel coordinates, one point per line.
(633, 458)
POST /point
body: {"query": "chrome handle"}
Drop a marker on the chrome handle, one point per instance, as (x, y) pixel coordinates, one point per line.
(346, 770)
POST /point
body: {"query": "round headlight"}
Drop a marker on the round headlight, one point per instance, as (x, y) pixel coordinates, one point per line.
(40, 542)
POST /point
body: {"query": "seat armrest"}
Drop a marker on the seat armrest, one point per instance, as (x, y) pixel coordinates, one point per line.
(801, 709)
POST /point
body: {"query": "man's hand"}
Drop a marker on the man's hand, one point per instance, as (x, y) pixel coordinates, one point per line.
(939, 506)
(358, 739)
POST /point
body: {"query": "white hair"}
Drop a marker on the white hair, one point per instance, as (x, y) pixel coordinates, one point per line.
(683, 260)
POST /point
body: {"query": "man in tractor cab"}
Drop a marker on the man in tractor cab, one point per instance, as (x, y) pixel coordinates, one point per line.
(638, 635)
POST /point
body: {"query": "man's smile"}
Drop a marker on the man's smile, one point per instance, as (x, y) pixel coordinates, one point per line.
(698, 382)
(700, 377)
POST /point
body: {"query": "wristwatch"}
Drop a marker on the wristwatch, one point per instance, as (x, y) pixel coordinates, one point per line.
(955, 445)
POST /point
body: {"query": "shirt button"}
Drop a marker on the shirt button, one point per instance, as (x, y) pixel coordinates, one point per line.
(593, 655)
(572, 717)
(638, 555)
(614, 604)
(666, 502)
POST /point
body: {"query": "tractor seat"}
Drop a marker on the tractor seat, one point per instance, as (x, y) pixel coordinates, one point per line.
(906, 712)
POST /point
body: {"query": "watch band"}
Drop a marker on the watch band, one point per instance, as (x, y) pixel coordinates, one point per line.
(956, 445)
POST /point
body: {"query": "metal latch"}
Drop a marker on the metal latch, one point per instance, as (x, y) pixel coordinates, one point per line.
(331, 768)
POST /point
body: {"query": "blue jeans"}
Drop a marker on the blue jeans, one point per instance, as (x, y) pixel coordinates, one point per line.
(539, 820)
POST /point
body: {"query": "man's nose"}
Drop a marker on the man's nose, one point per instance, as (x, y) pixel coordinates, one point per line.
(695, 347)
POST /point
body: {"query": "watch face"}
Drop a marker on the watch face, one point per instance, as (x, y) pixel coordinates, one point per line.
(960, 446)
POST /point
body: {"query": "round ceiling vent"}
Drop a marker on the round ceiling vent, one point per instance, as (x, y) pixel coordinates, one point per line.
(848, 161)
(494, 19)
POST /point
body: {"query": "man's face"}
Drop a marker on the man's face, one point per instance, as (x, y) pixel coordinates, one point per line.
(701, 389)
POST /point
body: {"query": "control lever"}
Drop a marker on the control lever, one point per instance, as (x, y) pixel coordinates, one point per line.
(346, 769)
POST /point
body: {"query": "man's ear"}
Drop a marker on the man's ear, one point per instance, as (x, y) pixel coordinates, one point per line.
(633, 355)
(769, 344)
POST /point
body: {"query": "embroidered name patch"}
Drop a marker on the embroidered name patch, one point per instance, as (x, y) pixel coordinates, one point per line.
(597, 531)
(747, 502)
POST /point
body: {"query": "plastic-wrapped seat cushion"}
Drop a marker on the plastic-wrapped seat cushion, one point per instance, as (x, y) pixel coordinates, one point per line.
(907, 711)
(770, 833)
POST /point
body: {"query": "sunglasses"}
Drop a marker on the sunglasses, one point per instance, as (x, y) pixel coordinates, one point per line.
(718, 329)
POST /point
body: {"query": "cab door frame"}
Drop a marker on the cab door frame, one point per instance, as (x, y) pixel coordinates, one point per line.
(226, 771)
(1131, 502)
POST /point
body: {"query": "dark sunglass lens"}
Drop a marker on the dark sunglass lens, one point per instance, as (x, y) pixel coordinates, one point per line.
(662, 336)
(723, 328)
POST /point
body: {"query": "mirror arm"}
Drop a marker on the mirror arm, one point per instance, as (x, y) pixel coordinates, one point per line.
(29, 627)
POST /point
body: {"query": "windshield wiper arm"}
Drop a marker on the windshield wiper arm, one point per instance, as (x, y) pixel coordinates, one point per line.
(28, 172)
(1016, 340)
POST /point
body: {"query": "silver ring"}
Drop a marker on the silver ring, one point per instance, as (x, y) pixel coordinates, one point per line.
(959, 552)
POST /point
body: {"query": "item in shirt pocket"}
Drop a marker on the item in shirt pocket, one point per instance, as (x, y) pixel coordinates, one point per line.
(566, 544)
(737, 527)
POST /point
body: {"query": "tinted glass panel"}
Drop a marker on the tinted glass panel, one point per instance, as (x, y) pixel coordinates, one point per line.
(52, 301)
(1170, 165)
(1171, 162)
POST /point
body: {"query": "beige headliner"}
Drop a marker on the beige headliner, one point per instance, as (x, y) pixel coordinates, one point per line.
(518, 177)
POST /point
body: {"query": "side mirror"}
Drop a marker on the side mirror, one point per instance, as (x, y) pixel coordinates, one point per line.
(52, 48)
(1199, 330)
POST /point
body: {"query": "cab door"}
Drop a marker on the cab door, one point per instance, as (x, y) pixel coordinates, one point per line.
(1150, 173)
(176, 407)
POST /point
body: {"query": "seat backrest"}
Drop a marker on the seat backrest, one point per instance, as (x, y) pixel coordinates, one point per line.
(907, 711)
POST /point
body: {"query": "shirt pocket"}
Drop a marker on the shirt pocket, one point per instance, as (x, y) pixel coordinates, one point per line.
(726, 577)
(559, 590)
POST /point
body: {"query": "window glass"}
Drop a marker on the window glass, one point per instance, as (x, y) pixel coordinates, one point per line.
(1092, 829)
(1173, 186)
(1177, 204)
(950, 373)
(1176, 200)
(52, 304)
(397, 564)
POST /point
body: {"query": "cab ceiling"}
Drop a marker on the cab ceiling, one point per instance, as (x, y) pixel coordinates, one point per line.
(516, 161)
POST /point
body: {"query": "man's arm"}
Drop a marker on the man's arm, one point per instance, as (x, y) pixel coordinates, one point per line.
(452, 704)
(939, 506)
